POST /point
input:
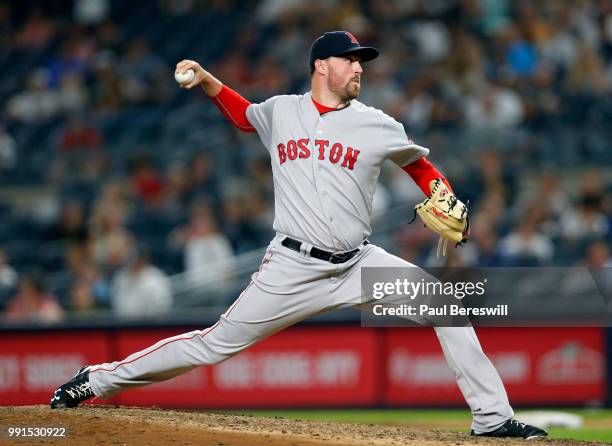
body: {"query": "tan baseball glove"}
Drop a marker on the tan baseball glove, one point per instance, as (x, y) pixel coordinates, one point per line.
(445, 214)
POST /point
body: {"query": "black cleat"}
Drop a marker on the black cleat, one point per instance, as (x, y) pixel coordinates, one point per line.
(73, 392)
(513, 428)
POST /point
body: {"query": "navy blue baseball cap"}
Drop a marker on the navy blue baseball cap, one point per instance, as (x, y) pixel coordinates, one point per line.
(339, 43)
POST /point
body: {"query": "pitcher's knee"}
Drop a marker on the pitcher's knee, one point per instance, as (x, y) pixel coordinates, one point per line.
(220, 342)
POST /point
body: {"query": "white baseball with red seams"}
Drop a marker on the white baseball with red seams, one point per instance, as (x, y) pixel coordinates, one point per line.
(184, 78)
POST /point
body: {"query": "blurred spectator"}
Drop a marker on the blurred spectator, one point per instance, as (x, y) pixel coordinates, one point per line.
(74, 256)
(487, 251)
(109, 37)
(6, 26)
(531, 22)
(141, 289)
(78, 268)
(99, 285)
(8, 151)
(79, 175)
(37, 102)
(493, 108)
(381, 201)
(587, 74)
(85, 47)
(270, 78)
(144, 75)
(270, 10)
(177, 7)
(587, 219)
(291, 43)
(79, 135)
(66, 63)
(261, 173)
(90, 12)
(490, 183)
(598, 255)
(37, 32)
(82, 300)
(382, 90)
(492, 172)
(491, 14)
(176, 191)
(261, 211)
(71, 226)
(110, 242)
(561, 46)
(520, 54)
(73, 94)
(432, 40)
(541, 99)
(234, 69)
(113, 194)
(209, 259)
(32, 304)
(594, 281)
(426, 105)
(402, 188)
(241, 232)
(106, 90)
(555, 206)
(525, 246)
(8, 279)
(203, 182)
(147, 182)
(463, 73)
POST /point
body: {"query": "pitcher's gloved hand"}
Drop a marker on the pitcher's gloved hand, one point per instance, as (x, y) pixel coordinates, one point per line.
(445, 214)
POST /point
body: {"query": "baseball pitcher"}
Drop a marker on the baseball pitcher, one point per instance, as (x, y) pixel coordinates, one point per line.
(326, 150)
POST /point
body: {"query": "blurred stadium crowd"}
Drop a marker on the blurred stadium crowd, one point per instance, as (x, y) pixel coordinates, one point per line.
(113, 178)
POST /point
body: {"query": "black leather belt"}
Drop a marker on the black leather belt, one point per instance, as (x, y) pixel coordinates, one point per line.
(332, 257)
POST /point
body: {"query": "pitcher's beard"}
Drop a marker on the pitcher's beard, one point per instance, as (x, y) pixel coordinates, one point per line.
(350, 91)
(347, 92)
(353, 90)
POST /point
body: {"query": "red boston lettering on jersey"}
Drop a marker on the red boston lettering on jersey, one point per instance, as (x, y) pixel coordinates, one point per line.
(350, 158)
(282, 156)
(303, 145)
(335, 153)
(352, 37)
(322, 144)
(291, 149)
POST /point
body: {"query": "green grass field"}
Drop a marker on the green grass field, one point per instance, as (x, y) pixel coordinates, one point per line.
(597, 423)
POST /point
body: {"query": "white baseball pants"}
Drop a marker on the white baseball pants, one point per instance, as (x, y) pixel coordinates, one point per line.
(290, 287)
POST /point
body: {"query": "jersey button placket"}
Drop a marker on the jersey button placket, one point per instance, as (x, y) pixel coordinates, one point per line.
(317, 169)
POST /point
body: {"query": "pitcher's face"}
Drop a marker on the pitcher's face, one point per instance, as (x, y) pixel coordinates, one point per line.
(344, 76)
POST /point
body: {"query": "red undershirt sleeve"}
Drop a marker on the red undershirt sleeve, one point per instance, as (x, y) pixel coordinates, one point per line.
(234, 107)
(423, 172)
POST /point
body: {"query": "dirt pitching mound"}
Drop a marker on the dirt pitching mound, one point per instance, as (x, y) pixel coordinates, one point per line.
(107, 425)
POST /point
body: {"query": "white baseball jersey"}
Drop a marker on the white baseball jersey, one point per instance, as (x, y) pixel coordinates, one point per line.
(326, 166)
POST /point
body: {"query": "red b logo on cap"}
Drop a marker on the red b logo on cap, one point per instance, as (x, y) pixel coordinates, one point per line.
(352, 37)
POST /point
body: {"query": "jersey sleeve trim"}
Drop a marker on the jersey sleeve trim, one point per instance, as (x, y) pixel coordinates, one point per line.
(233, 106)
(422, 171)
